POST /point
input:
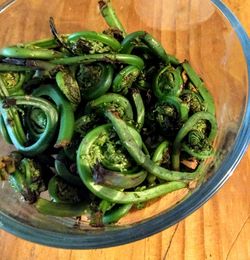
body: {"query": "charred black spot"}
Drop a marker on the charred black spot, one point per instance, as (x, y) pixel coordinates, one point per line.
(135, 90)
(10, 121)
(148, 96)
(29, 196)
(15, 61)
(31, 63)
(115, 33)
(73, 168)
(102, 4)
(52, 26)
(77, 222)
(56, 34)
(7, 103)
(60, 157)
(96, 219)
(109, 60)
(98, 173)
(30, 85)
(82, 45)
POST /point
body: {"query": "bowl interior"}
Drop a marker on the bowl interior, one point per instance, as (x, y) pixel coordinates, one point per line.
(191, 30)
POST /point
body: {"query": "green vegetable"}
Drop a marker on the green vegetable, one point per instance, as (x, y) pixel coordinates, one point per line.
(125, 78)
(168, 82)
(84, 168)
(51, 115)
(116, 101)
(27, 180)
(61, 209)
(94, 80)
(109, 58)
(61, 191)
(118, 180)
(4, 132)
(143, 160)
(69, 86)
(199, 84)
(140, 109)
(64, 173)
(65, 110)
(190, 125)
(94, 38)
(30, 53)
(115, 214)
(102, 121)
(109, 15)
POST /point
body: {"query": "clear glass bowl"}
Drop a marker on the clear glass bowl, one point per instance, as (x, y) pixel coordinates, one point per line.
(204, 32)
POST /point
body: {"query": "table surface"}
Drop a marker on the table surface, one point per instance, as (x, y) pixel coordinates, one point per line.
(218, 230)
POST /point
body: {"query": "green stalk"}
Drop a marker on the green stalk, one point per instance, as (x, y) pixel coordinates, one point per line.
(189, 126)
(115, 214)
(118, 180)
(102, 86)
(125, 78)
(199, 84)
(168, 82)
(60, 209)
(181, 108)
(65, 110)
(65, 174)
(4, 132)
(30, 53)
(110, 16)
(140, 109)
(136, 153)
(159, 152)
(44, 141)
(113, 195)
(94, 36)
(106, 57)
(69, 87)
(155, 46)
(110, 100)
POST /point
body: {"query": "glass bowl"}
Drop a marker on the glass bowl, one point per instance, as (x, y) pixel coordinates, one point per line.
(210, 37)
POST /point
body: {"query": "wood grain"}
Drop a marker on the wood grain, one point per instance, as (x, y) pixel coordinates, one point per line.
(218, 230)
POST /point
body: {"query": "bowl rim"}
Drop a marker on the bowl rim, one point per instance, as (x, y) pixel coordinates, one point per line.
(152, 226)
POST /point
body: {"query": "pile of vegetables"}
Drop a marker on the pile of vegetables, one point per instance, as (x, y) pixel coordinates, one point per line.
(102, 121)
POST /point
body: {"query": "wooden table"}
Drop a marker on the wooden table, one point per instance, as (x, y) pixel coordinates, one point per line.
(218, 230)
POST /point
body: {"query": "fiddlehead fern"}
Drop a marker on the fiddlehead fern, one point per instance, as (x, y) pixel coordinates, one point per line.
(144, 121)
(27, 180)
(94, 80)
(12, 128)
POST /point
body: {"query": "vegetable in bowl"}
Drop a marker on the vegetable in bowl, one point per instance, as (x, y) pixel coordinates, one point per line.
(101, 121)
